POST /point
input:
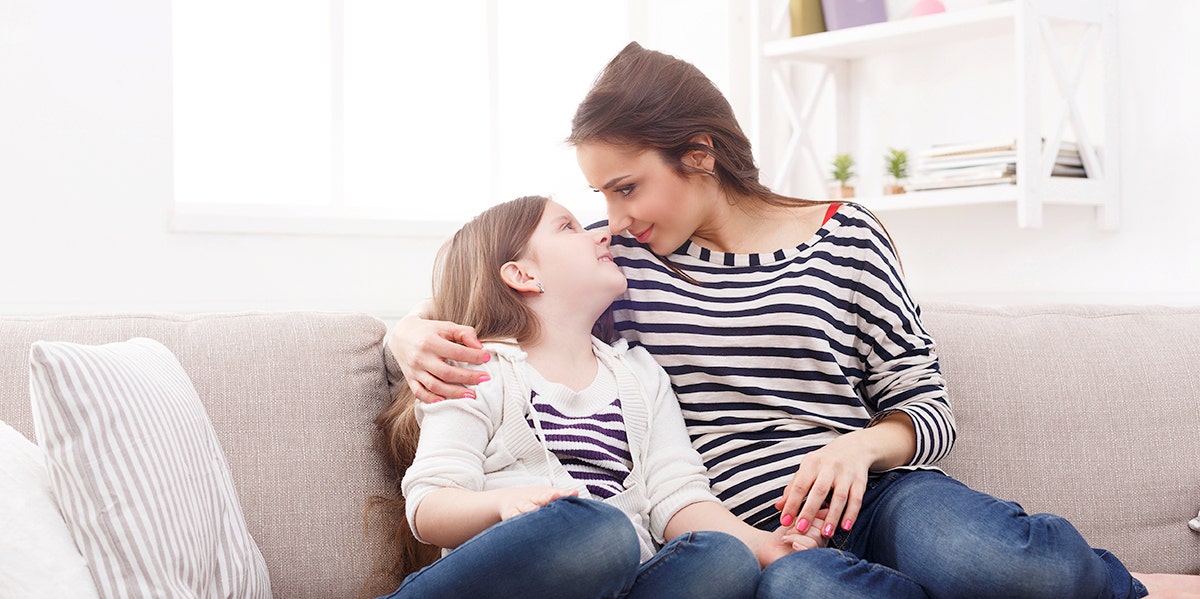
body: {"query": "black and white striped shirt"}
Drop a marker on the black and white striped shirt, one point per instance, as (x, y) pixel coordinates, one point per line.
(774, 355)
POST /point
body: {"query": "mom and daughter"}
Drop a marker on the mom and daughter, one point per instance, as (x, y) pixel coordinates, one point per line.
(758, 414)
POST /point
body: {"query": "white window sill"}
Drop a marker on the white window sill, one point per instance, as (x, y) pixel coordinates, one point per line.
(302, 220)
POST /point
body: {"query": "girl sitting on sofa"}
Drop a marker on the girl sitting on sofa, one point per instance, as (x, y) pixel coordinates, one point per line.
(569, 467)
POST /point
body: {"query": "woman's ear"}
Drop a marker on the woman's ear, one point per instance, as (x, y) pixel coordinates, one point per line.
(699, 158)
(519, 278)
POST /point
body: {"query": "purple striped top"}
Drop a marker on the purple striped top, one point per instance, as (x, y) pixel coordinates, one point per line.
(593, 448)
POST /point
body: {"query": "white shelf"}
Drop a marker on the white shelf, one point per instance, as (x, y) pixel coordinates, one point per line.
(892, 36)
(1061, 190)
(1029, 23)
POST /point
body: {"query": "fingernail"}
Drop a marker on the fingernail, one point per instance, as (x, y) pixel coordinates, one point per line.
(483, 378)
(468, 395)
(847, 524)
(802, 525)
(487, 357)
(828, 530)
(786, 520)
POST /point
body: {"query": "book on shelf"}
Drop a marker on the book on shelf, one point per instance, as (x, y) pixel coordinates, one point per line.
(990, 162)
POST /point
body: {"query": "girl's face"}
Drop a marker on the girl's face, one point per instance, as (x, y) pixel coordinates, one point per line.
(645, 196)
(572, 262)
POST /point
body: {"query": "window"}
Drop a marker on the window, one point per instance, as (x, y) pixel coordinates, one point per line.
(372, 111)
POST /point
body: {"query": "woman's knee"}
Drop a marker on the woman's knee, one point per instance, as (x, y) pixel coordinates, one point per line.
(1042, 556)
(729, 565)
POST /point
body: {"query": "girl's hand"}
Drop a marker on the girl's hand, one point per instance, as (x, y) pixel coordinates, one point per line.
(421, 348)
(786, 539)
(518, 500)
(810, 539)
(836, 473)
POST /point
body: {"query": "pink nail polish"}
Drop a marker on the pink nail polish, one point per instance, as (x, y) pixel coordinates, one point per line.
(847, 524)
(483, 378)
(802, 525)
(487, 357)
(468, 395)
(786, 520)
(828, 531)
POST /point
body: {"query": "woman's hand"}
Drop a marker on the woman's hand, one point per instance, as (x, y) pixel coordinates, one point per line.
(421, 347)
(837, 474)
(518, 500)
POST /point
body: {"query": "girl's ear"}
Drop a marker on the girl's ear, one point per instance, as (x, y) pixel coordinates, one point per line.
(699, 158)
(519, 278)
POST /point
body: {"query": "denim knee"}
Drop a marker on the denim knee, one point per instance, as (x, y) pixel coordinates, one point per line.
(832, 573)
(1043, 556)
(590, 541)
(699, 565)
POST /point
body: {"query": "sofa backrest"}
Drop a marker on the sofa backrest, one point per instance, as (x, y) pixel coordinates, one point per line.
(1088, 412)
(292, 397)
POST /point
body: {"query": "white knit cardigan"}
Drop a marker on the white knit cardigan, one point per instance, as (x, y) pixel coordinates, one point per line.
(486, 443)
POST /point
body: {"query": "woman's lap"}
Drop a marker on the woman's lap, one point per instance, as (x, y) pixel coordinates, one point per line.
(926, 529)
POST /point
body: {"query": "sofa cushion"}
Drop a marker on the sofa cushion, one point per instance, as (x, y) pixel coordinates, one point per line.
(139, 474)
(292, 397)
(37, 556)
(1088, 412)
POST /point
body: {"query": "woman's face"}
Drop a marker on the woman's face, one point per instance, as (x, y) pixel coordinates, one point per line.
(645, 196)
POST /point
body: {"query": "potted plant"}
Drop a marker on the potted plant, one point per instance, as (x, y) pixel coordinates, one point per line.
(895, 163)
(843, 171)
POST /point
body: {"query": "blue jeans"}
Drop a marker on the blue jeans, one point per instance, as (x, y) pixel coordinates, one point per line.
(575, 547)
(923, 534)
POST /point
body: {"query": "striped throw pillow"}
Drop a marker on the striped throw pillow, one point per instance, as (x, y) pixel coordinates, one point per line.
(139, 476)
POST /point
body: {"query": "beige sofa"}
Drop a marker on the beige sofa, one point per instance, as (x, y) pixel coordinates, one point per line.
(1089, 412)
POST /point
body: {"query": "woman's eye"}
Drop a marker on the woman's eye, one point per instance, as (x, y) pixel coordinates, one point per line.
(624, 191)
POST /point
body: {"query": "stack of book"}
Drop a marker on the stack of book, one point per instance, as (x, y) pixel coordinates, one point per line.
(988, 163)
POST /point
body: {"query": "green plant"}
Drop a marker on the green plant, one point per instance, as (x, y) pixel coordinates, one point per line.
(896, 163)
(843, 168)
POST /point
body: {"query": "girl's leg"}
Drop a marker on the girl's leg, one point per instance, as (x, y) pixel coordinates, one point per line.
(833, 574)
(570, 547)
(958, 542)
(698, 565)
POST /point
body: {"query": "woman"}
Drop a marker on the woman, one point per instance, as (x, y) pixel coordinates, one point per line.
(803, 372)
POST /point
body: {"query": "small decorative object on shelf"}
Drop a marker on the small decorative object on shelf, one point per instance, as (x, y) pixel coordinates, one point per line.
(928, 7)
(840, 14)
(806, 17)
(843, 171)
(895, 164)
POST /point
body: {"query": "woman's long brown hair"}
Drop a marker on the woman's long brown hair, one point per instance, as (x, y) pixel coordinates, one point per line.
(468, 290)
(650, 100)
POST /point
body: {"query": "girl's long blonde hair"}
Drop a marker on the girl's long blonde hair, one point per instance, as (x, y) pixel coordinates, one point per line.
(468, 290)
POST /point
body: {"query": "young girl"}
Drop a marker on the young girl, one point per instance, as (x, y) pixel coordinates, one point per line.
(804, 374)
(569, 467)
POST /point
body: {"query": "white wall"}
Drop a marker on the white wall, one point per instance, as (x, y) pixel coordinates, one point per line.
(85, 187)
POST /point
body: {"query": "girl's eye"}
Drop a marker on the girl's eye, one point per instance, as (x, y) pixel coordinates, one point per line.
(568, 226)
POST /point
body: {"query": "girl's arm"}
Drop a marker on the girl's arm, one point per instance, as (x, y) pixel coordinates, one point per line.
(767, 546)
(449, 517)
(421, 348)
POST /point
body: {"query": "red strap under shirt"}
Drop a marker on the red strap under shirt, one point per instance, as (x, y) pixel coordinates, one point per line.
(833, 208)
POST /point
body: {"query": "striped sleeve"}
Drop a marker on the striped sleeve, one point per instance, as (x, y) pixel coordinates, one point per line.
(902, 371)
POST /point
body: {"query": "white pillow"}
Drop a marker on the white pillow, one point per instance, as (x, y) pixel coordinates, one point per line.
(37, 556)
(138, 473)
